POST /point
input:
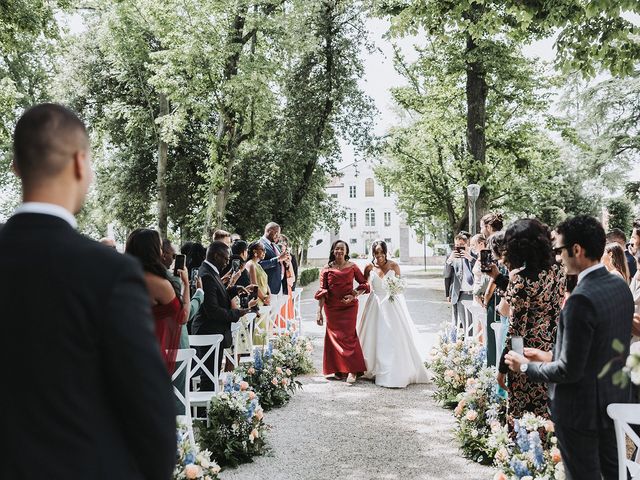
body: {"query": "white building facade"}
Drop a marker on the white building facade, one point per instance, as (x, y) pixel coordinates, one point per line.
(371, 214)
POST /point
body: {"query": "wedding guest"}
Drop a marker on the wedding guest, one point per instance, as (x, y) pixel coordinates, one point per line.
(169, 305)
(95, 400)
(478, 243)
(534, 294)
(458, 276)
(339, 301)
(257, 275)
(491, 223)
(168, 254)
(599, 311)
(294, 260)
(222, 236)
(274, 259)
(216, 314)
(235, 269)
(616, 235)
(492, 298)
(615, 262)
(289, 278)
(235, 237)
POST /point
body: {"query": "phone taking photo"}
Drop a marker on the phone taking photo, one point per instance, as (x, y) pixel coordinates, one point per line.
(517, 345)
(486, 259)
(235, 264)
(178, 264)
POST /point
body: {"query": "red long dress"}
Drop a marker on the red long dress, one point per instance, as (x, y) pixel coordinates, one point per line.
(168, 322)
(342, 351)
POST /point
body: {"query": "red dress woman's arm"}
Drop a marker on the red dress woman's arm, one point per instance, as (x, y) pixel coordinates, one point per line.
(363, 285)
(323, 291)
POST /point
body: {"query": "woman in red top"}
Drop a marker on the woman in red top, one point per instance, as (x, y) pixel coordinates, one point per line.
(170, 307)
(342, 351)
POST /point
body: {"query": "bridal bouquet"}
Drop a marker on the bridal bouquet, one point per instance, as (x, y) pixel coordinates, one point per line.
(394, 285)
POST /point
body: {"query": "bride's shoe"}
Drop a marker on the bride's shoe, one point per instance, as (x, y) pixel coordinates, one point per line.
(351, 378)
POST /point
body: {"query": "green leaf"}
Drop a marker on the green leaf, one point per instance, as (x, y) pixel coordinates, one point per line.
(618, 346)
(605, 369)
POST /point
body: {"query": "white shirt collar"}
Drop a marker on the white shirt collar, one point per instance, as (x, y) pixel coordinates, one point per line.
(47, 209)
(212, 266)
(587, 271)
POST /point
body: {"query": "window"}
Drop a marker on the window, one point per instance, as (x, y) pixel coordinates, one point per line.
(368, 187)
(387, 219)
(319, 241)
(370, 218)
(352, 220)
(387, 241)
(353, 241)
(387, 192)
(334, 195)
(352, 191)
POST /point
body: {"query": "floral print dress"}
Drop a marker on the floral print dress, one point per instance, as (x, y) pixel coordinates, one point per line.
(535, 304)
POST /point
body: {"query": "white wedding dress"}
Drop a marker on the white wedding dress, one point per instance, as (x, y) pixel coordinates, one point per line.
(389, 339)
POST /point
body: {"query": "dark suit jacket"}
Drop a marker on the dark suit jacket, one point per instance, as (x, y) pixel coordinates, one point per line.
(87, 393)
(215, 315)
(273, 268)
(631, 262)
(598, 311)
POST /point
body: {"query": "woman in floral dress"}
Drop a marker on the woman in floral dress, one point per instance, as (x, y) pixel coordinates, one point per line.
(534, 295)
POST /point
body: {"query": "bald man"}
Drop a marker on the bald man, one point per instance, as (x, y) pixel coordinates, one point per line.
(88, 393)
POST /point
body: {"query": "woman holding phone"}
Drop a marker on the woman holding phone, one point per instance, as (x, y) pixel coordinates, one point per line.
(534, 296)
(170, 308)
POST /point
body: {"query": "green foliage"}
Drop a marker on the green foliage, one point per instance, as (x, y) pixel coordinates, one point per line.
(307, 276)
(296, 352)
(620, 214)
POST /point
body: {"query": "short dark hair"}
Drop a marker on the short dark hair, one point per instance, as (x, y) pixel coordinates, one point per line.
(39, 139)
(238, 247)
(218, 234)
(166, 245)
(461, 236)
(251, 249)
(494, 220)
(216, 247)
(195, 253)
(528, 241)
(586, 231)
(376, 244)
(616, 234)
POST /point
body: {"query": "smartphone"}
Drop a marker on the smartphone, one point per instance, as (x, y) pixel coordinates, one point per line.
(517, 345)
(179, 264)
(244, 301)
(485, 260)
(235, 264)
(458, 250)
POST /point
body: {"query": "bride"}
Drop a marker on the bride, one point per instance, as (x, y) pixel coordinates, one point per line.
(386, 332)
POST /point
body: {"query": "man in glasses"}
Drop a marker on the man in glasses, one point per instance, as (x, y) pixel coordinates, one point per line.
(599, 310)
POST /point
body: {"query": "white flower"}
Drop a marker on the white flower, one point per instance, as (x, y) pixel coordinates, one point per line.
(527, 477)
(474, 433)
(633, 360)
(635, 377)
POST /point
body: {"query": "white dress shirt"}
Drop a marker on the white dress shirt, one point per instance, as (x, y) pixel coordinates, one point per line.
(47, 209)
(215, 269)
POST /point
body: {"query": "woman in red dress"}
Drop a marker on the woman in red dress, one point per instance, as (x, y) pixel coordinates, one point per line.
(169, 305)
(342, 351)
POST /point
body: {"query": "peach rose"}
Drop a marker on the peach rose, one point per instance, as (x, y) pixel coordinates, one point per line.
(253, 435)
(549, 426)
(244, 385)
(279, 370)
(500, 476)
(251, 371)
(259, 414)
(471, 415)
(252, 395)
(555, 455)
(274, 381)
(192, 471)
(288, 372)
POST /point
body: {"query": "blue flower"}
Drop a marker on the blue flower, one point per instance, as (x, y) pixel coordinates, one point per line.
(453, 335)
(538, 454)
(522, 439)
(189, 458)
(519, 467)
(258, 360)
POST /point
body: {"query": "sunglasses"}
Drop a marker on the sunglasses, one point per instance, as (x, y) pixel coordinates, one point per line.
(558, 250)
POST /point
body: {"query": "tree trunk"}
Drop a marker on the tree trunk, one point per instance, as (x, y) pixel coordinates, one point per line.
(162, 170)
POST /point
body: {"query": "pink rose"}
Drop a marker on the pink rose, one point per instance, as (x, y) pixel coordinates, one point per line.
(549, 426)
(500, 476)
(251, 371)
(252, 395)
(244, 385)
(471, 415)
(259, 414)
(279, 370)
(274, 381)
(192, 471)
(285, 382)
(288, 372)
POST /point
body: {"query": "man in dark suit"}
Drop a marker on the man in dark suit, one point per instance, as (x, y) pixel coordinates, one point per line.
(458, 277)
(216, 313)
(599, 310)
(87, 393)
(273, 260)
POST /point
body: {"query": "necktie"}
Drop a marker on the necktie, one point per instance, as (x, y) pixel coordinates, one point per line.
(468, 276)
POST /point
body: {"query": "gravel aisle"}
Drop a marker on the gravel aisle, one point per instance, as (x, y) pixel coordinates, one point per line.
(331, 430)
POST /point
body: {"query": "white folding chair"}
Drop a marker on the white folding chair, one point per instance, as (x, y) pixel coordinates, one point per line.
(261, 325)
(276, 318)
(624, 415)
(297, 311)
(183, 364)
(201, 398)
(467, 327)
(249, 320)
(230, 354)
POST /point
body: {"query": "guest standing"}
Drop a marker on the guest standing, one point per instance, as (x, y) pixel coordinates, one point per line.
(534, 294)
(274, 259)
(458, 274)
(599, 311)
(616, 235)
(169, 305)
(89, 393)
(338, 299)
(615, 261)
(490, 225)
(257, 275)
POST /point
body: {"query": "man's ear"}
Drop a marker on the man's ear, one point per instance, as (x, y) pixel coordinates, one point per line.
(80, 164)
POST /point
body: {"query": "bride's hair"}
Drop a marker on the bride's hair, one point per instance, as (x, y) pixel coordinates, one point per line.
(376, 244)
(332, 257)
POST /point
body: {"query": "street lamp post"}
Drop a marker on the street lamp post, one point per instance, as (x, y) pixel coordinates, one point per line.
(473, 192)
(424, 241)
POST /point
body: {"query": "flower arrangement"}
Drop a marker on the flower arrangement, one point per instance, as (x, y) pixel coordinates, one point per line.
(452, 363)
(236, 431)
(533, 455)
(192, 462)
(296, 351)
(480, 411)
(394, 285)
(269, 377)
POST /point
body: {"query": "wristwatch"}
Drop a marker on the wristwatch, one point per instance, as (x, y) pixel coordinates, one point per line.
(524, 367)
